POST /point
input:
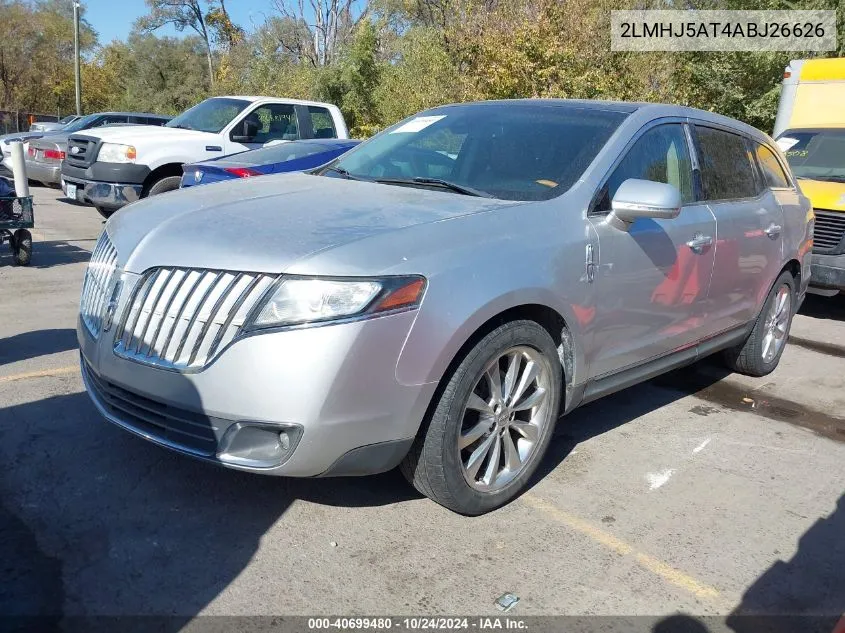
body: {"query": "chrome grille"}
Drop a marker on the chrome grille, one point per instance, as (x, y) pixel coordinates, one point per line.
(95, 287)
(829, 230)
(180, 318)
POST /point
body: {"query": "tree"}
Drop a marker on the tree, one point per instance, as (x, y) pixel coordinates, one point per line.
(333, 24)
(225, 33)
(182, 14)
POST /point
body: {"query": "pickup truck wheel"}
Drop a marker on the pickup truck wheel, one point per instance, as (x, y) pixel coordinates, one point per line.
(168, 183)
(492, 423)
(106, 213)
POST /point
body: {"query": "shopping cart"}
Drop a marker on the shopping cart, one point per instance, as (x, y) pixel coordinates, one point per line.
(15, 218)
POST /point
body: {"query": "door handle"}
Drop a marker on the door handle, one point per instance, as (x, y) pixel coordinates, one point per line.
(698, 243)
(774, 231)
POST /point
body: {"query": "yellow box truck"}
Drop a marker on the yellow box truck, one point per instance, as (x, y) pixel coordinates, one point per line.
(810, 129)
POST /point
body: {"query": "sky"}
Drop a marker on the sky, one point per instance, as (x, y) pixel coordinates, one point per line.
(112, 19)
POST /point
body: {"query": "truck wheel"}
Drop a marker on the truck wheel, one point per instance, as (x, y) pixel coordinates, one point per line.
(169, 183)
(492, 423)
(106, 213)
(22, 247)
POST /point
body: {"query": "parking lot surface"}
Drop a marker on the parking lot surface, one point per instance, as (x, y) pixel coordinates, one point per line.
(701, 492)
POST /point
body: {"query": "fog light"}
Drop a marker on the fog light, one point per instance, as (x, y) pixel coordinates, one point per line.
(259, 445)
(284, 440)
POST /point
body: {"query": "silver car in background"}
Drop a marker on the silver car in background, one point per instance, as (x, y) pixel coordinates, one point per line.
(440, 295)
(44, 155)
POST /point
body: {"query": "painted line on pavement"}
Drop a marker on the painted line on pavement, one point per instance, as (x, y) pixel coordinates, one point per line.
(655, 566)
(43, 373)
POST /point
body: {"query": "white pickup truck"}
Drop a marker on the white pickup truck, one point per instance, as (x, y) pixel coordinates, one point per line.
(112, 167)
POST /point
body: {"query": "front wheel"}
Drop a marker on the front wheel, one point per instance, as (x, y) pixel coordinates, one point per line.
(170, 183)
(492, 423)
(760, 354)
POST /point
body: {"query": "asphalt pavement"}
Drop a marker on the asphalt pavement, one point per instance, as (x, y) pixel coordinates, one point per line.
(699, 493)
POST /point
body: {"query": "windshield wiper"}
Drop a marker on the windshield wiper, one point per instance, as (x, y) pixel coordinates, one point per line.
(343, 172)
(419, 180)
(181, 127)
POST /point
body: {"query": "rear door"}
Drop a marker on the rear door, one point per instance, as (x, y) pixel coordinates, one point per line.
(652, 282)
(749, 225)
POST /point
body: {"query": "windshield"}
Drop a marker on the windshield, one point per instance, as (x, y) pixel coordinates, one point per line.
(511, 151)
(82, 124)
(815, 154)
(212, 115)
(68, 119)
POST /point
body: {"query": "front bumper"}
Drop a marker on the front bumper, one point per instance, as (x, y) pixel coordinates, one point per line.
(47, 173)
(332, 388)
(828, 271)
(107, 185)
(106, 195)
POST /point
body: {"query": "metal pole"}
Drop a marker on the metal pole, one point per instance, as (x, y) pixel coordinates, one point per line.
(76, 57)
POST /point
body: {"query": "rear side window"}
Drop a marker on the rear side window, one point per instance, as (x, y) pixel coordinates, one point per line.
(726, 169)
(770, 166)
(111, 119)
(660, 155)
(322, 122)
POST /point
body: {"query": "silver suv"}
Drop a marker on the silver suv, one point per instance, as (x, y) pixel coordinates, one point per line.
(440, 295)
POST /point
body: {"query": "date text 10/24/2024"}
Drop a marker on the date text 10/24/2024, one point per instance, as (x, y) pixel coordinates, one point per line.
(481, 623)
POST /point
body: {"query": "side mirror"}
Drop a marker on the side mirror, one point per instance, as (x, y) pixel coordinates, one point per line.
(249, 130)
(643, 199)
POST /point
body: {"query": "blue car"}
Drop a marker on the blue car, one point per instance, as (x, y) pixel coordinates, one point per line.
(276, 159)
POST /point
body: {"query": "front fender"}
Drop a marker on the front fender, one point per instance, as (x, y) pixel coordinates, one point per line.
(457, 304)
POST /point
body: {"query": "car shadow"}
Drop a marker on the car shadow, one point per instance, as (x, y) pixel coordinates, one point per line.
(804, 594)
(615, 410)
(95, 521)
(49, 253)
(820, 307)
(37, 343)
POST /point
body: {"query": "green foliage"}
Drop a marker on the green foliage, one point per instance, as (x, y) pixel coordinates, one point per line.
(391, 59)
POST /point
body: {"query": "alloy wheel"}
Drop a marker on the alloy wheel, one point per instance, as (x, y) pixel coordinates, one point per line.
(504, 418)
(776, 324)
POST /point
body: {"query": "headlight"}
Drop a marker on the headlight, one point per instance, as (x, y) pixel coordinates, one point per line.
(116, 153)
(296, 301)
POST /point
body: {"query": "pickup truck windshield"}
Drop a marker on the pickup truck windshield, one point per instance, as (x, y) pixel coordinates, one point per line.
(815, 154)
(511, 151)
(212, 115)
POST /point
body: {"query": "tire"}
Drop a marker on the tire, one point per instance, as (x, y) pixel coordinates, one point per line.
(106, 213)
(22, 248)
(750, 357)
(169, 183)
(438, 467)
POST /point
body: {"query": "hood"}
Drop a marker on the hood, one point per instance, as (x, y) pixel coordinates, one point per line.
(829, 196)
(267, 224)
(140, 134)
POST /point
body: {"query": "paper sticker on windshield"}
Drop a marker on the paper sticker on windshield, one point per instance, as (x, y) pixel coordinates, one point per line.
(785, 143)
(417, 124)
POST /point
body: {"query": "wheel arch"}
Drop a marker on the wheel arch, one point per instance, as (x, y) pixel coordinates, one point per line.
(162, 171)
(551, 318)
(793, 266)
